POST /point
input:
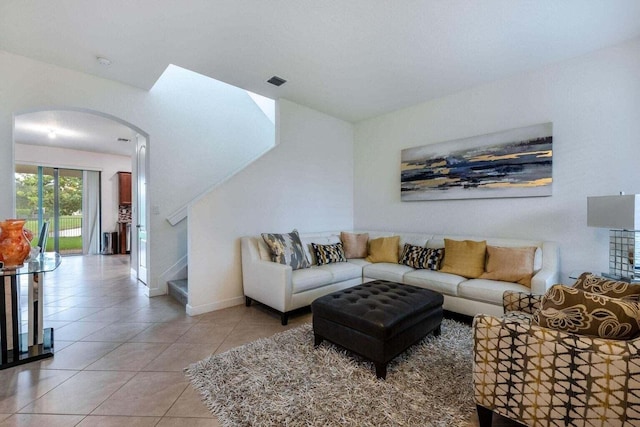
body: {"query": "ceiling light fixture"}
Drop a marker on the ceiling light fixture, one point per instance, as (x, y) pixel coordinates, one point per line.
(103, 61)
(276, 81)
(52, 134)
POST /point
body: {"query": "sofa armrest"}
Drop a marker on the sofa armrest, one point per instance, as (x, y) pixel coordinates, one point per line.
(549, 274)
(265, 281)
(520, 301)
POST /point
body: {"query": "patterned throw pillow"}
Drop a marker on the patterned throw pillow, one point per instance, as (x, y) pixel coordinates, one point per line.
(326, 254)
(287, 249)
(568, 309)
(589, 282)
(421, 257)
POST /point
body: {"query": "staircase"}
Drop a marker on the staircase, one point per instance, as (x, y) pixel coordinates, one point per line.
(178, 289)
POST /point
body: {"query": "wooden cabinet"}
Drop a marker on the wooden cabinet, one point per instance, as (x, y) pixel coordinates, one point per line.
(124, 188)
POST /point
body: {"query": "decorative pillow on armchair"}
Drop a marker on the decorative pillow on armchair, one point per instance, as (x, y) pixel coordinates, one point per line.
(590, 282)
(326, 254)
(568, 309)
(287, 249)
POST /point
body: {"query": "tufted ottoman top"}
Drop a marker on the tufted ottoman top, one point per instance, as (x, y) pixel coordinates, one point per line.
(380, 308)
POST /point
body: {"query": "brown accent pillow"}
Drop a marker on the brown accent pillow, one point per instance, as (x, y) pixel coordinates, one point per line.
(384, 249)
(568, 309)
(590, 282)
(355, 245)
(464, 257)
(510, 264)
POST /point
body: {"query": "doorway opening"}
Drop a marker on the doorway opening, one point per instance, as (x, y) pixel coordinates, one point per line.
(77, 154)
(59, 197)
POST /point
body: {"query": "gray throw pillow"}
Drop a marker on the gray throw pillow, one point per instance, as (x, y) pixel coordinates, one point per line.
(287, 249)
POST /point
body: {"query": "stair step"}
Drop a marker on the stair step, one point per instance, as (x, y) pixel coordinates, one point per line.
(179, 290)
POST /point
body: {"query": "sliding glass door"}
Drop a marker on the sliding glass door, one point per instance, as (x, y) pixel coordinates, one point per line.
(57, 196)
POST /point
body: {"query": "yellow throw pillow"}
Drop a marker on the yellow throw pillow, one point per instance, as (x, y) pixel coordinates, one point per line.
(384, 249)
(464, 257)
(510, 264)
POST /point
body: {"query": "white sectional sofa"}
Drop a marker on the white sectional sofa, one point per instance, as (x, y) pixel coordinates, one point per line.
(278, 286)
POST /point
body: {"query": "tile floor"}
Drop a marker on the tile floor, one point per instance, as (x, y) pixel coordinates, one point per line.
(119, 355)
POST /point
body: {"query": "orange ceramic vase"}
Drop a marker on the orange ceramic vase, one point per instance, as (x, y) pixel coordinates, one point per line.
(14, 245)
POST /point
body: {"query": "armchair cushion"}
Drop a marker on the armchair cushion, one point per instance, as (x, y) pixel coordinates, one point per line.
(569, 309)
(589, 282)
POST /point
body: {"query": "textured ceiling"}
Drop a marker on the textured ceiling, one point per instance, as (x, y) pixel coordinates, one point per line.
(352, 59)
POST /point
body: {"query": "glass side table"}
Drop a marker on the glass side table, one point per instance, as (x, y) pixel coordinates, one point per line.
(16, 346)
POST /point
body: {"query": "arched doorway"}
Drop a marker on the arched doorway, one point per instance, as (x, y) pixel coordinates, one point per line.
(85, 142)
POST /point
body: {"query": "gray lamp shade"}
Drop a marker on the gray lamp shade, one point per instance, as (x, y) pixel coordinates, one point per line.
(614, 212)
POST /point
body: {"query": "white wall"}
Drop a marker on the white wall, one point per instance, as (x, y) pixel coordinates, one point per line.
(107, 164)
(193, 141)
(305, 182)
(594, 104)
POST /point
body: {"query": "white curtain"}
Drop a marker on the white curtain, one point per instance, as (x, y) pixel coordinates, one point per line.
(91, 212)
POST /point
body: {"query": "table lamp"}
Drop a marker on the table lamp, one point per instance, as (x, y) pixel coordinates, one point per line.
(621, 215)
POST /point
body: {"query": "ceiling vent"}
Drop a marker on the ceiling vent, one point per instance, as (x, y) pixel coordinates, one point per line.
(276, 81)
(123, 140)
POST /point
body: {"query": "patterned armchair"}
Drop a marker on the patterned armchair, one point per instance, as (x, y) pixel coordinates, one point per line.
(544, 377)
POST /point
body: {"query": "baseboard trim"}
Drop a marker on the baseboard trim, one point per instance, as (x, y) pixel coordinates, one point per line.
(154, 292)
(214, 306)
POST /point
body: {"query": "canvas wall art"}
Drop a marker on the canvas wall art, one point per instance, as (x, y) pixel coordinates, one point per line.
(512, 163)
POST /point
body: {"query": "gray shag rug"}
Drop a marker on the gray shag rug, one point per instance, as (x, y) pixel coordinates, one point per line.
(283, 380)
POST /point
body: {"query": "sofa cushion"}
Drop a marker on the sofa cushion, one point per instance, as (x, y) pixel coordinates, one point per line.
(327, 254)
(444, 283)
(421, 257)
(464, 257)
(509, 264)
(355, 245)
(310, 278)
(392, 272)
(286, 249)
(590, 282)
(488, 290)
(384, 249)
(585, 313)
(342, 271)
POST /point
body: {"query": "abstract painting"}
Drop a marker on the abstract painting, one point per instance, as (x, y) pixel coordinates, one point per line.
(512, 163)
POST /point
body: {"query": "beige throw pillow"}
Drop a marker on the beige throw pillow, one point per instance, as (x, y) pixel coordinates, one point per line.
(355, 245)
(464, 257)
(510, 264)
(384, 249)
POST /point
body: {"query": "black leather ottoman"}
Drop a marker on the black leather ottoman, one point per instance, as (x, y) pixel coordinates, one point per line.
(377, 320)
